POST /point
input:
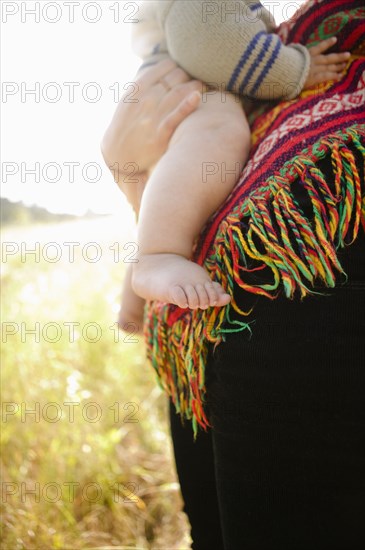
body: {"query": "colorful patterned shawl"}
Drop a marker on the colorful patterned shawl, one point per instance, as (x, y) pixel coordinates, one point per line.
(262, 227)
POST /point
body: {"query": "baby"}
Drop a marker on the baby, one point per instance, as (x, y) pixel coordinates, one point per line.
(229, 45)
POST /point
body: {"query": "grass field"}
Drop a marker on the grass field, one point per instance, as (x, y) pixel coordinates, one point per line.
(86, 457)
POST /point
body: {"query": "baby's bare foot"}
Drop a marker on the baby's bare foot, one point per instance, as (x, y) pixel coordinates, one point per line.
(174, 279)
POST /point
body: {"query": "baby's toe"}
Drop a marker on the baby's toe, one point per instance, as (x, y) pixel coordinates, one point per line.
(212, 293)
(179, 297)
(203, 296)
(192, 296)
(223, 297)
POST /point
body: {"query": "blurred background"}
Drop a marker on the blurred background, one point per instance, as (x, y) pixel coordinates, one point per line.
(86, 457)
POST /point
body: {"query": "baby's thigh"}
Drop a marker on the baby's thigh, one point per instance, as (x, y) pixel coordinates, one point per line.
(220, 117)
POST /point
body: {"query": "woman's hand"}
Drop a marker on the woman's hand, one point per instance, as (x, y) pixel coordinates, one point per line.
(144, 122)
(325, 66)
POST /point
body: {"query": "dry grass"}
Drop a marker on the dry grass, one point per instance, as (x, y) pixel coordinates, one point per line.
(105, 478)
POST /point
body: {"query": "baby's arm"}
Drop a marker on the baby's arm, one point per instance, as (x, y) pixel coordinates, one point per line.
(234, 49)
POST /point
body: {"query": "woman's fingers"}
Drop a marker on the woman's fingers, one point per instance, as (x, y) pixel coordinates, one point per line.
(151, 75)
(176, 105)
(169, 101)
(171, 80)
(166, 101)
(175, 77)
(140, 130)
(187, 106)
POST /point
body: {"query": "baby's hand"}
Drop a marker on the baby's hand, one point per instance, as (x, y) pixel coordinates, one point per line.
(325, 67)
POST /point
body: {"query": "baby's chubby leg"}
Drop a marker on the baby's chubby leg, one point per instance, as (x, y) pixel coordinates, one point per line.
(188, 184)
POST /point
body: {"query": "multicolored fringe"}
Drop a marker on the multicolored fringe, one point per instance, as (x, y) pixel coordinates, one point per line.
(277, 235)
(261, 240)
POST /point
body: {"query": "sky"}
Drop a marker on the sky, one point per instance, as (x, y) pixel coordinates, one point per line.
(64, 65)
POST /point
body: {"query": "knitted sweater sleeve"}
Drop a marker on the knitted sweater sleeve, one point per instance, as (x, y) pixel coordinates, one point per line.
(148, 37)
(232, 49)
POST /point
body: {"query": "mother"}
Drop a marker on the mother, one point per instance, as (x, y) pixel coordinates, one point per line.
(282, 466)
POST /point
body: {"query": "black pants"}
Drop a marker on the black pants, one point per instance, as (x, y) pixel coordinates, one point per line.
(283, 467)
